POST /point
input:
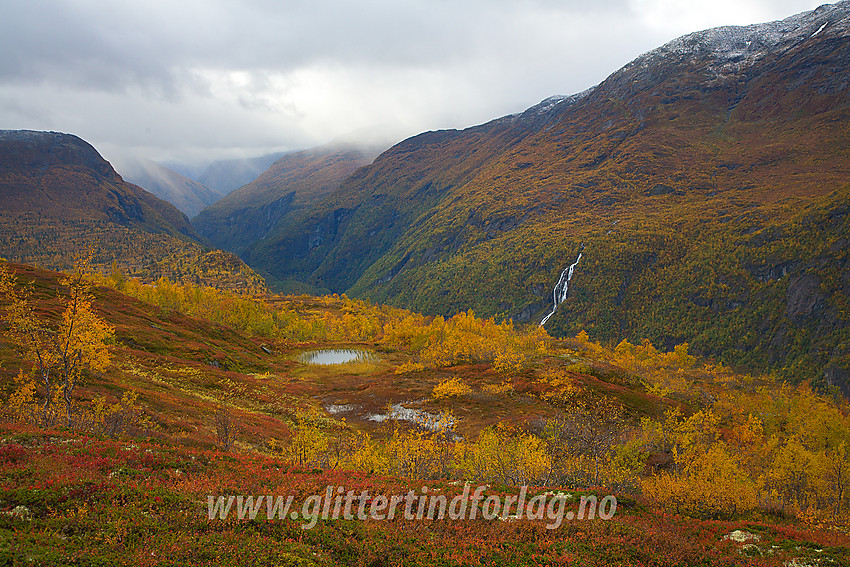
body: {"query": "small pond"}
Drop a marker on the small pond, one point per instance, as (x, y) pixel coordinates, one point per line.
(337, 356)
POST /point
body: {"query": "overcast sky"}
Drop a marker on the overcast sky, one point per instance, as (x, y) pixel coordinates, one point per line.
(195, 80)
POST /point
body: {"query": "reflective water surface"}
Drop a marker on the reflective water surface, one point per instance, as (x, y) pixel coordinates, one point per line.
(337, 356)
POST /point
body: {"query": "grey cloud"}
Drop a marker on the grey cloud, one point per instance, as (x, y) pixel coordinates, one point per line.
(191, 76)
(102, 45)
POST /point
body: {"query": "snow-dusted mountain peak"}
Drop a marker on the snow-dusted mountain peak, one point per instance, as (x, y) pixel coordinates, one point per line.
(735, 47)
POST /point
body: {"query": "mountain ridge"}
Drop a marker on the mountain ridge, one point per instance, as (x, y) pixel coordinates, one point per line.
(59, 199)
(48, 155)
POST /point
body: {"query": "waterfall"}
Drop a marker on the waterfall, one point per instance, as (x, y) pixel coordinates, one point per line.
(559, 294)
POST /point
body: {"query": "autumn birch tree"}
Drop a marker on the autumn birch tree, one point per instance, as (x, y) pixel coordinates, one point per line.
(59, 351)
(590, 427)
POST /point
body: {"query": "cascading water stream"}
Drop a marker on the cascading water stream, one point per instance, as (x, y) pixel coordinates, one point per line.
(559, 294)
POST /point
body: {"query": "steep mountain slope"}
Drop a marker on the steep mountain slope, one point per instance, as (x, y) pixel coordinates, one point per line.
(280, 196)
(190, 197)
(706, 181)
(59, 198)
(230, 174)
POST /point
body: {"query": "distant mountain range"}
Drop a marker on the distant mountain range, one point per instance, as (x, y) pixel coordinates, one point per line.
(706, 183)
(231, 174)
(187, 195)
